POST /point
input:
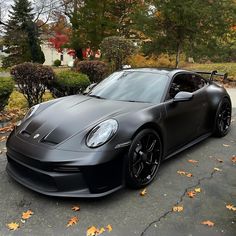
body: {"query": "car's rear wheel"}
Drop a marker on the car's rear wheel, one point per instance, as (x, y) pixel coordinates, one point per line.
(143, 158)
(223, 118)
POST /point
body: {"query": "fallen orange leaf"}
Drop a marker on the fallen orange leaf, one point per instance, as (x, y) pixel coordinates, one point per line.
(13, 226)
(26, 215)
(109, 228)
(234, 159)
(197, 190)
(178, 208)
(74, 220)
(184, 173)
(144, 192)
(7, 129)
(3, 138)
(102, 230)
(181, 172)
(208, 223)
(231, 207)
(75, 208)
(189, 175)
(191, 194)
(193, 161)
(92, 231)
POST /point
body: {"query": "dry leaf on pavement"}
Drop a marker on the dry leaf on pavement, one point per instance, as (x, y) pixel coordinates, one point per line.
(219, 160)
(75, 208)
(189, 175)
(233, 159)
(13, 226)
(26, 215)
(143, 193)
(231, 207)
(74, 220)
(6, 129)
(197, 190)
(191, 194)
(217, 169)
(178, 208)
(3, 138)
(208, 223)
(226, 145)
(92, 231)
(109, 228)
(102, 230)
(184, 173)
(192, 161)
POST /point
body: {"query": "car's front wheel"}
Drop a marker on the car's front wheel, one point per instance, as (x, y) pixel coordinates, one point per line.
(143, 158)
(223, 118)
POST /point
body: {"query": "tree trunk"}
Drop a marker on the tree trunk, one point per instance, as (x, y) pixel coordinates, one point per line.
(177, 55)
(79, 53)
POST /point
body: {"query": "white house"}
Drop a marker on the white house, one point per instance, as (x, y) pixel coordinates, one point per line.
(51, 54)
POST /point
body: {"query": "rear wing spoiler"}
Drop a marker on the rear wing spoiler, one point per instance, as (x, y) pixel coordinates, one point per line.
(213, 73)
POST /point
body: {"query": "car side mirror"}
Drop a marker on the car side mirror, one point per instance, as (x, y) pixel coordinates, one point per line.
(183, 96)
(89, 88)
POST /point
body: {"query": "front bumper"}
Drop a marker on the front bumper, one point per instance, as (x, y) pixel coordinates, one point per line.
(66, 178)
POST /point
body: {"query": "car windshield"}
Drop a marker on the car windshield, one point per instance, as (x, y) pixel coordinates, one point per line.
(132, 86)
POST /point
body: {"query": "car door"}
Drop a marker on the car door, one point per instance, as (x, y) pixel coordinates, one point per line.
(185, 120)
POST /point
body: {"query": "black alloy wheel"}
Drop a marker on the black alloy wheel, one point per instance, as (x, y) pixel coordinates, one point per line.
(144, 158)
(223, 118)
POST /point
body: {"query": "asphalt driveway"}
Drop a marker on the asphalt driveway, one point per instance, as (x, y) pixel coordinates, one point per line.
(131, 214)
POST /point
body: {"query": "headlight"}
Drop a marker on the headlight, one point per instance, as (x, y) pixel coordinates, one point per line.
(30, 112)
(101, 133)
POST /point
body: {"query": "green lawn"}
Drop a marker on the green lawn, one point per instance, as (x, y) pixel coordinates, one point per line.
(229, 68)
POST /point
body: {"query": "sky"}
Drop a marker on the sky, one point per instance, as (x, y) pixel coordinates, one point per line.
(5, 6)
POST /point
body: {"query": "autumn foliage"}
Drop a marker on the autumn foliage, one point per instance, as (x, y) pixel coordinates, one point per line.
(59, 41)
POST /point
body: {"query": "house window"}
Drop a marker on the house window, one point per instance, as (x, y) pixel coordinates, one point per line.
(62, 57)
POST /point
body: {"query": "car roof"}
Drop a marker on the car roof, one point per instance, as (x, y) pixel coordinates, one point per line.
(165, 71)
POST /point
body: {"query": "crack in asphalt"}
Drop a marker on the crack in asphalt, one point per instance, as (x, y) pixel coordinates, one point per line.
(179, 201)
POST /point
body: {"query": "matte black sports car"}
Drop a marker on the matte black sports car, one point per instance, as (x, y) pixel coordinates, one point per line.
(117, 134)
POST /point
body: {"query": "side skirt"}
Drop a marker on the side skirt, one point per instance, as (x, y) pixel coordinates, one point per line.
(195, 141)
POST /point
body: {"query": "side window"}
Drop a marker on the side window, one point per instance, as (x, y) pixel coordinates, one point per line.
(186, 83)
(198, 81)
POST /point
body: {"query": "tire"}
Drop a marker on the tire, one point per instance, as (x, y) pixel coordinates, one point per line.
(223, 118)
(144, 158)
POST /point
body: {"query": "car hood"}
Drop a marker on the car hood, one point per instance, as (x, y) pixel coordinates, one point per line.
(71, 115)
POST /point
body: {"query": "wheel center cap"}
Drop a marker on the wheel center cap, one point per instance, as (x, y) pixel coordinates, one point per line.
(144, 156)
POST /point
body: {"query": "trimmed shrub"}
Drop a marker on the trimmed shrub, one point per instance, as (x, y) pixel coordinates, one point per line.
(32, 79)
(57, 63)
(95, 70)
(69, 83)
(6, 88)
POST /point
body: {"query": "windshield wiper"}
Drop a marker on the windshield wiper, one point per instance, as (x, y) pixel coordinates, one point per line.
(133, 101)
(95, 96)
